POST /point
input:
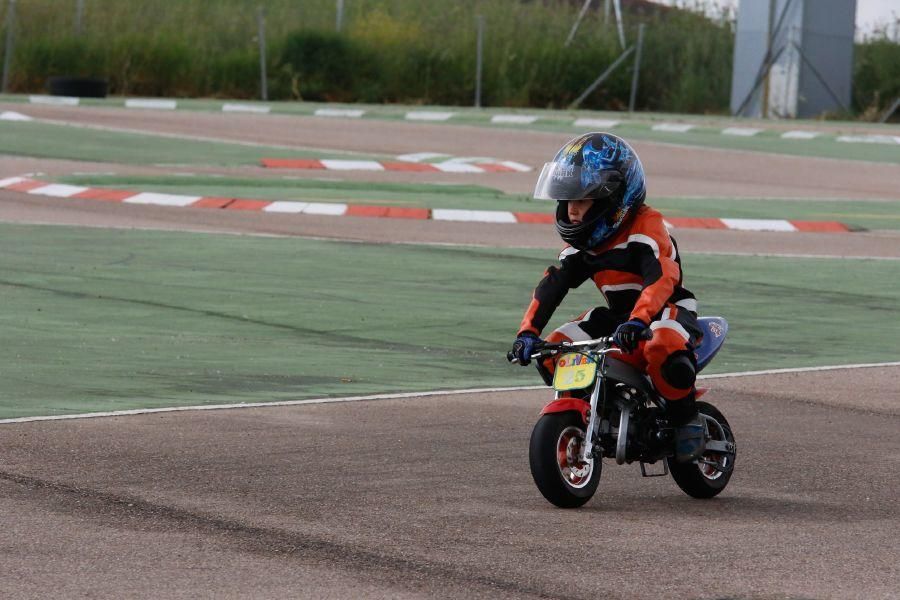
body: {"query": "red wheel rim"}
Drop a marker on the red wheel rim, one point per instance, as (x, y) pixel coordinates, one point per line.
(575, 472)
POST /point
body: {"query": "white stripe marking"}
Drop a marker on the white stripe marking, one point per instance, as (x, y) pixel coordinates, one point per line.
(58, 190)
(457, 167)
(485, 216)
(572, 331)
(688, 304)
(325, 208)
(759, 224)
(246, 108)
(420, 156)
(14, 116)
(352, 165)
(470, 159)
(286, 206)
(796, 255)
(800, 370)
(639, 238)
(799, 134)
(352, 113)
(161, 199)
(425, 115)
(673, 127)
(741, 131)
(870, 139)
(150, 103)
(670, 324)
(5, 183)
(515, 119)
(400, 396)
(621, 287)
(516, 166)
(54, 100)
(596, 123)
(567, 252)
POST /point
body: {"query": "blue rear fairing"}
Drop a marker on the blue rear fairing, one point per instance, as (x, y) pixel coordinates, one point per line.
(714, 331)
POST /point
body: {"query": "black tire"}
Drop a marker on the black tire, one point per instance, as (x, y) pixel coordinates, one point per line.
(704, 481)
(80, 87)
(549, 432)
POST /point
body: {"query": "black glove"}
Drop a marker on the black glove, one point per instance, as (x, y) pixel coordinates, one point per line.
(523, 348)
(629, 333)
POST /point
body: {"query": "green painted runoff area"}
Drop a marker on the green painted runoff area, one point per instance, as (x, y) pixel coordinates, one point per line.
(98, 320)
(47, 140)
(862, 214)
(707, 131)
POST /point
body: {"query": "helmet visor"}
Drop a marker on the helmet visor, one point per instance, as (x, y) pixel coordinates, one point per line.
(564, 182)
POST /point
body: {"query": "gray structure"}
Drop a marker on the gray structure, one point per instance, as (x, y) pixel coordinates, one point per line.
(792, 58)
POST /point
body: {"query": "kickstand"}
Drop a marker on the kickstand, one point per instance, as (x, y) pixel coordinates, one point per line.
(645, 471)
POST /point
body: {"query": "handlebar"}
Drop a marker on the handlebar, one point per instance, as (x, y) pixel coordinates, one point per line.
(545, 349)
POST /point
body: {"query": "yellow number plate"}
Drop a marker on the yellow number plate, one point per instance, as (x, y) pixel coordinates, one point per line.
(573, 372)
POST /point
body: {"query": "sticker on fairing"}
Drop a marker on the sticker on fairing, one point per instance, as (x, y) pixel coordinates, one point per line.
(574, 371)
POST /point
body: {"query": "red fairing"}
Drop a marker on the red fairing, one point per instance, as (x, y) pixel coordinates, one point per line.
(565, 404)
(701, 391)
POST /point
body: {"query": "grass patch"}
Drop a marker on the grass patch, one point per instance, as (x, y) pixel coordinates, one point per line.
(104, 320)
(46, 140)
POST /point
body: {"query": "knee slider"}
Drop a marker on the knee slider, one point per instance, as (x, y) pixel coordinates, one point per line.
(679, 370)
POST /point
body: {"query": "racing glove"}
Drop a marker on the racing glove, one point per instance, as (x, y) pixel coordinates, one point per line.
(523, 348)
(629, 333)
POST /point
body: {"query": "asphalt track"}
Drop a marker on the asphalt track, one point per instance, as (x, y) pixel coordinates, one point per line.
(431, 496)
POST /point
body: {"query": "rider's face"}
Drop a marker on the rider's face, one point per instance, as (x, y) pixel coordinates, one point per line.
(577, 209)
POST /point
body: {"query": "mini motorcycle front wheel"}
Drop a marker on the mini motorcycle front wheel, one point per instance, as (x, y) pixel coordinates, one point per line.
(555, 457)
(708, 476)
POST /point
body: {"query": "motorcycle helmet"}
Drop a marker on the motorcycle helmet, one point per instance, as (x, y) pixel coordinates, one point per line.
(597, 166)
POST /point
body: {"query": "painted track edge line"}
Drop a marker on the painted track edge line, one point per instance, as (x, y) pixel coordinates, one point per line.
(400, 396)
(799, 370)
(144, 411)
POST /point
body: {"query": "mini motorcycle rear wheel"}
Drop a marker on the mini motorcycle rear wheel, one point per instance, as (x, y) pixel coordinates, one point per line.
(702, 480)
(554, 454)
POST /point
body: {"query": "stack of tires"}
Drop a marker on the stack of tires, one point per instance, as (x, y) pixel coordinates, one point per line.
(79, 87)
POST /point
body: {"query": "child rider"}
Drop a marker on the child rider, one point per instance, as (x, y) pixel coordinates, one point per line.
(623, 245)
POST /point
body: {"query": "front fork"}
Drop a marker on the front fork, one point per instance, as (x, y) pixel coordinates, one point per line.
(587, 448)
(626, 408)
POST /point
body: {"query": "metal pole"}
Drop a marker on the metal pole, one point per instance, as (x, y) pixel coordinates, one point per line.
(606, 8)
(769, 37)
(618, 8)
(577, 22)
(339, 16)
(263, 80)
(479, 53)
(79, 16)
(600, 79)
(763, 73)
(7, 58)
(820, 78)
(890, 111)
(637, 68)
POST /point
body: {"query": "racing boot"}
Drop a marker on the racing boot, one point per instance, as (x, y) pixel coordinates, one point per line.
(690, 429)
(690, 440)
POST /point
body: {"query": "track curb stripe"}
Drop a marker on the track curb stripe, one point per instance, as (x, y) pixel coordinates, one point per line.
(447, 166)
(41, 188)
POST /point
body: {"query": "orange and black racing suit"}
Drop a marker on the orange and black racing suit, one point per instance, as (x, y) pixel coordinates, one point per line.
(638, 271)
